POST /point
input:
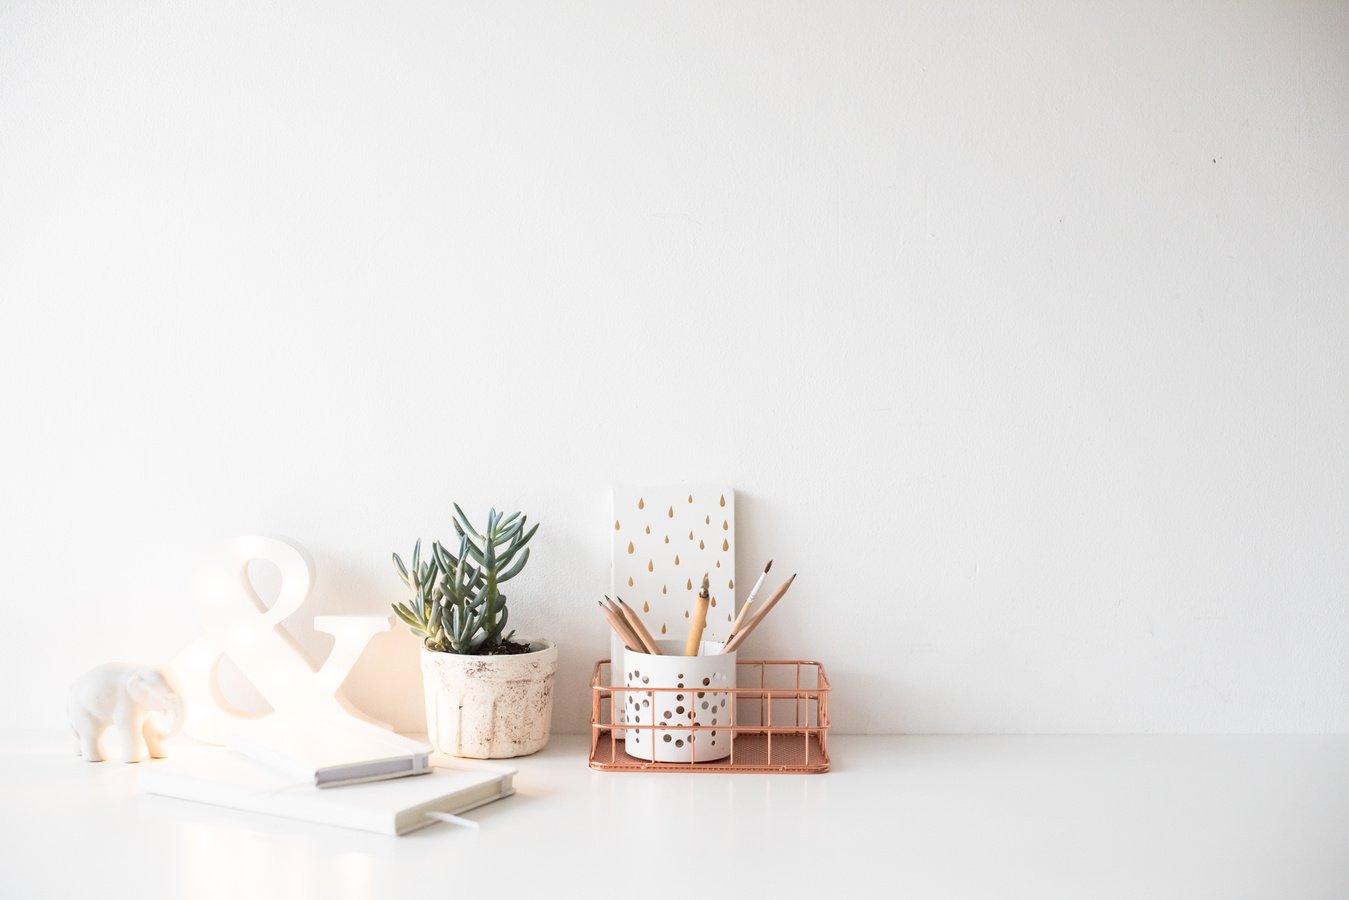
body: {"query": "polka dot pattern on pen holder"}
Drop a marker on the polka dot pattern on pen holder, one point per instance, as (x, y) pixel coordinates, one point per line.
(678, 696)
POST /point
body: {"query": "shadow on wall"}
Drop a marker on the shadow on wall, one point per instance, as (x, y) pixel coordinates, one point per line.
(386, 682)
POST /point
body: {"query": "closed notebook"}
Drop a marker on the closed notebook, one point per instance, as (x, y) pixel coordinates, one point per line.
(327, 753)
(224, 778)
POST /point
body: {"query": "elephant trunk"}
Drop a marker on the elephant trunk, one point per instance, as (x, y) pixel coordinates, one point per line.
(173, 715)
(165, 697)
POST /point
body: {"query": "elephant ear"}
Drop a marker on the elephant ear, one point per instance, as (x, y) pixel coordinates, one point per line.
(142, 688)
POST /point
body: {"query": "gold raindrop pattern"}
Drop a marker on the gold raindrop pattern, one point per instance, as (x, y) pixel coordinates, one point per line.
(678, 557)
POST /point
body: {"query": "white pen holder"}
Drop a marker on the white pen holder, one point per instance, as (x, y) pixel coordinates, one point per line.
(687, 716)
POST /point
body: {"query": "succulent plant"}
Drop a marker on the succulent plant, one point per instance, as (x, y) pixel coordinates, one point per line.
(456, 604)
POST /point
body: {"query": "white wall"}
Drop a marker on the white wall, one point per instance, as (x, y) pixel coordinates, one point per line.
(1022, 330)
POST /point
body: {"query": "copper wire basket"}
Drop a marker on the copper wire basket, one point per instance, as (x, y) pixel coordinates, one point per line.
(782, 725)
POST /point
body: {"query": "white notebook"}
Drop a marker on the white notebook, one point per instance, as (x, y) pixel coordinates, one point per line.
(397, 806)
(328, 753)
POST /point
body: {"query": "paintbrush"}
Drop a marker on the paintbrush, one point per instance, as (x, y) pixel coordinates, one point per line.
(619, 626)
(754, 620)
(698, 620)
(744, 610)
(638, 629)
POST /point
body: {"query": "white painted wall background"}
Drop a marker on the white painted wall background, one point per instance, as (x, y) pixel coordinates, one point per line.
(1027, 325)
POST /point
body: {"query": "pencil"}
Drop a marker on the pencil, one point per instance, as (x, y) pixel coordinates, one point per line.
(697, 620)
(617, 624)
(638, 628)
(753, 623)
(625, 630)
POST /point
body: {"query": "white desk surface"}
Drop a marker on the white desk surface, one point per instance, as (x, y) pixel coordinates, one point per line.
(1002, 817)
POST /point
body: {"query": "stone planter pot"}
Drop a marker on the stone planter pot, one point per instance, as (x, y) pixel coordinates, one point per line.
(490, 707)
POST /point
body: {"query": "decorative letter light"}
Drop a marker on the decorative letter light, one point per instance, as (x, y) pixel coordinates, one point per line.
(238, 626)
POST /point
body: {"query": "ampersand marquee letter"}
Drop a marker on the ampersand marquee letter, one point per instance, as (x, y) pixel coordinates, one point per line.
(238, 626)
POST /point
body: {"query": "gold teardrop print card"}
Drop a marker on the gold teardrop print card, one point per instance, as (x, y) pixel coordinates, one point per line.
(664, 539)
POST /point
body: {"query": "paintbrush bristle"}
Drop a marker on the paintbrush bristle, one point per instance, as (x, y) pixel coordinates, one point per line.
(767, 567)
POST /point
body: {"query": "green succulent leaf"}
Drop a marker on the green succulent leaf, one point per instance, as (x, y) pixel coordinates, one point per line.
(456, 601)
(408, 616)
(515, 569)
(529, 534)
(466, 524)
(504, 538)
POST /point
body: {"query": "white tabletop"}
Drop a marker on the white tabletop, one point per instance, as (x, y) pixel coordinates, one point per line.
(1155, 817)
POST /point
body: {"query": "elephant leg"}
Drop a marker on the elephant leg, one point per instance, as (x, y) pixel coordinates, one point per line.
(131, 734)
(89, 736)
(153, 742)
(92, 748)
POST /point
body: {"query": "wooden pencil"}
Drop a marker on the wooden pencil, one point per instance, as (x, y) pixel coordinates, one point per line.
(754, 620)
(737, 624)
(619, 626)
(627, 632)
(635, 620)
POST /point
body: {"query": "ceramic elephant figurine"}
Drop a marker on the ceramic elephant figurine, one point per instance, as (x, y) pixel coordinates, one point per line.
(142, 705)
